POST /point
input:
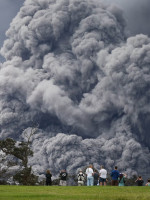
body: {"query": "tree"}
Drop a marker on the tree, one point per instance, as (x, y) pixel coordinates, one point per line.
(22, 151)
(26, 177)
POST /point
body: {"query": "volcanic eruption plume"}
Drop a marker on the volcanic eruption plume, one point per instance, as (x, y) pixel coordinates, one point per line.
(71, 69)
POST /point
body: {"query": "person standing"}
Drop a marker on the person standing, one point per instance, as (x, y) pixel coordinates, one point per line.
(48, 178)
(148, 182)
(63, 177)
(115, 176)
(81, 178)
(96, 177)
(103, 176)
(139, 181)
(121, 179)
(89, 173)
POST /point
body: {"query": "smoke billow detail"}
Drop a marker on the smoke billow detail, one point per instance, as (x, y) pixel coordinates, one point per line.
(71, 69)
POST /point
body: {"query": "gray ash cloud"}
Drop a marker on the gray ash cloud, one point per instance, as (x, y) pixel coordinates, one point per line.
(71, 69)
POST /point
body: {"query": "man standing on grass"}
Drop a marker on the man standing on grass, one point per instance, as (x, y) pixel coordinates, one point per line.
(139, 181)
(63, 177)
(115, 176)
(81, 178)
(103, 176)
(96, 177)
(89, 173)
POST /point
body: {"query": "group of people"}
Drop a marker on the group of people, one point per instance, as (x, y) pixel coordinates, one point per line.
(95, 177)
(117, 179)
(140, 181)
(62, 176)
(100, 177)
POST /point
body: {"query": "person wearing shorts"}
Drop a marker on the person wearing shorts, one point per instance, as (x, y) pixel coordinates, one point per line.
(103, 176)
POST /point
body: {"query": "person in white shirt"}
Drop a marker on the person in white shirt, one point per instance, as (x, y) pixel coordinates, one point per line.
(103, 176)
(89, 173)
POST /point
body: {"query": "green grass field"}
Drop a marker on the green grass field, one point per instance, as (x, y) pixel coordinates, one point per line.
(74, 193)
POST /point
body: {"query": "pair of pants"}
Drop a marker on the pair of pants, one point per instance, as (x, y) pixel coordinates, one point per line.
(48, 183)
(90, 181)
(80, 183)
(63, 183)
(114, 183)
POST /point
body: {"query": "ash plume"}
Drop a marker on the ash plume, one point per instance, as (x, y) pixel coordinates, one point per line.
(71, 69)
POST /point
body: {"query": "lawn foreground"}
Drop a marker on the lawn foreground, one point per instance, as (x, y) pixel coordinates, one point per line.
(74, 193)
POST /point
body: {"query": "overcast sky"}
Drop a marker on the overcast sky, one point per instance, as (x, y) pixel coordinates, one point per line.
(8, 10)
(137, 15)
(136, 12)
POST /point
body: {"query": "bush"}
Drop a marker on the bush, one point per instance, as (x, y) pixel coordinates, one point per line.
(26, 177)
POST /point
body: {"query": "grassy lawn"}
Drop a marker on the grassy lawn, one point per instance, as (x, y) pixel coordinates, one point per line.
(74, 193)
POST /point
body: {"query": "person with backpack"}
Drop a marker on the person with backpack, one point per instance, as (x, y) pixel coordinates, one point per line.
(63, 178)
(48, 177)
(121, 179)
(81, 178)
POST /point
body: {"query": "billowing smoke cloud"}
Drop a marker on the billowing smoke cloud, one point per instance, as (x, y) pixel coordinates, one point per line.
(70, 68)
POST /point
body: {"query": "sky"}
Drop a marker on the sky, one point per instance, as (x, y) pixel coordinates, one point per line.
(8, 10)
(74, 69)
(137, 15)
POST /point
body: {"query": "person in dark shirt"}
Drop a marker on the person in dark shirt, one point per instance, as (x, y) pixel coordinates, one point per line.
(48, 177)
(115, 175)
(139, 181)
(63, 177)
(96, 177)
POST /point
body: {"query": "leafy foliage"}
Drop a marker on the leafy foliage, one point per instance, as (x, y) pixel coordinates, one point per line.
(26, 177)
(21, 151)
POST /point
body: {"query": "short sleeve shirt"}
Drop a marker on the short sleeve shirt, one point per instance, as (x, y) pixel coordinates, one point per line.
(89, 172)
(63, 176)
(103, 173)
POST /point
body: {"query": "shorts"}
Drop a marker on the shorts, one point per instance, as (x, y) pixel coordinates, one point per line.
(102, 180)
